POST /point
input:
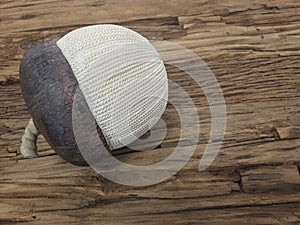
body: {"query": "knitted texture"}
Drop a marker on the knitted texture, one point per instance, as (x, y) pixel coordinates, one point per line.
(28, 147)
(122, 77)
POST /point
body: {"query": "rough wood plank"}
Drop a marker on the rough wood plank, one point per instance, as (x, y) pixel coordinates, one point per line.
(253, 49)
(271, 179)
(288, 132)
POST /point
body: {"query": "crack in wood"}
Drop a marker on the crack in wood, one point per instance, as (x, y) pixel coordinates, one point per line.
(293, 203)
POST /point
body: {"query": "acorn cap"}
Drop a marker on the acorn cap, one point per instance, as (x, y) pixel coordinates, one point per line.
(121, 77)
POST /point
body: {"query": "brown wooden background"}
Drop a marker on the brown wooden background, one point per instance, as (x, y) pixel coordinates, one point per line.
(253, 48)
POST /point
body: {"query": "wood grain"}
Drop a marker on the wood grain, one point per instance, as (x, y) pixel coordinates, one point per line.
(253, 49)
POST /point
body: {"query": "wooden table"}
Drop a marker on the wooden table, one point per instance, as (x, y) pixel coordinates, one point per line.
(252, 47)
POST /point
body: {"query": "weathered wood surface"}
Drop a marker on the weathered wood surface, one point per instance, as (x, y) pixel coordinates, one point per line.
(252, 47)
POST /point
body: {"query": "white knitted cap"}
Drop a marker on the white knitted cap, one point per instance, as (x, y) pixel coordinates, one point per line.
(122, 78)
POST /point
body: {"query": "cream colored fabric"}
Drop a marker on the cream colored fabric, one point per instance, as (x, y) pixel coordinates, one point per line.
(28, 148)
(122, 78)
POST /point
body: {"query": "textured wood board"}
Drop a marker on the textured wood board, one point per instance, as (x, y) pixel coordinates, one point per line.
(253, 49)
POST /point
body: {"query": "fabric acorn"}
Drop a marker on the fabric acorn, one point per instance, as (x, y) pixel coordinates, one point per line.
(116, 69)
